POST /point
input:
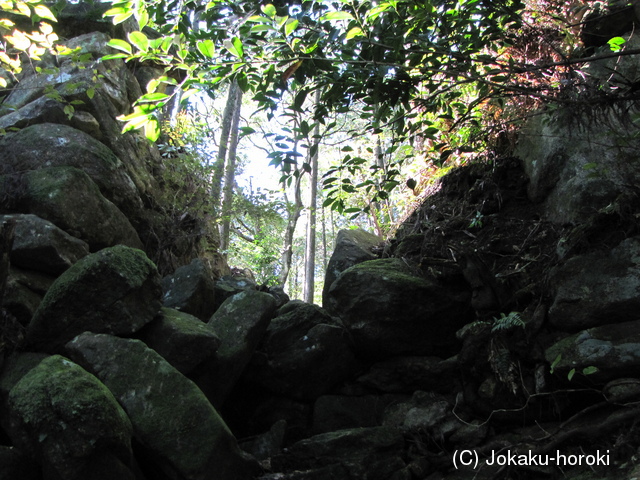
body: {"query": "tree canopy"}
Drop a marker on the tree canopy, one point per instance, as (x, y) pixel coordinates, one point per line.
(416, 69)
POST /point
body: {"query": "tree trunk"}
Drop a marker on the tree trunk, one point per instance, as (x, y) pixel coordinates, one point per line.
(310, 250)
(229, 176)
(294, 215)
(218, 167)
(324, 240)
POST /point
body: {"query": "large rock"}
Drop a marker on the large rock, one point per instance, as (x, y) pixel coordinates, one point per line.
(71, 423)
(40, 245)
(579, 162)
(240, 323)
(113, 88)
(352, 247)
(191, 290)
(356, 454)
(116, 290)
(52, 145)
(183, 434)
(229, 285)
(598, 288)
(408, 374)
(390, 312)
(302, 340)
(340, 412)
(24, 292)
(614, 350)
(68, 198)
(182, 339)
(15, 367)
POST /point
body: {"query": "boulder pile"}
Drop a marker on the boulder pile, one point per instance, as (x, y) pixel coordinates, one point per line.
(500, 319)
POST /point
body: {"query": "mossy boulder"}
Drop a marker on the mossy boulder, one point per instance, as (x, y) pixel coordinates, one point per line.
(240, 323)
(71, 423)
(614, 351)
(179, 429)
(52, 145)
(304, 340)
(41, 246)
(182, 339)
(598, 288)
(190, 289)
(68, 198)
(389, 310)
(352, 247)
(116, 290)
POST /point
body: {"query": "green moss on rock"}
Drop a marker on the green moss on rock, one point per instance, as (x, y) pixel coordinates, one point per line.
(116, 290)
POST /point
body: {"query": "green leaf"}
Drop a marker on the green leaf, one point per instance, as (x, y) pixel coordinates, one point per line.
(120, 45)
(590, 370)
(333, 16)
(143, 18)
(44, 12)
(113, 56)
(140, 40)
(152, 130)
(269, 10)
(121, 18)
(91, 92)
(616, 44)
(112, 12)
(153, 97)
(290, 26)
(235, 47)
(572, 372)
(555, 363)
(354, 32)
(206, 48)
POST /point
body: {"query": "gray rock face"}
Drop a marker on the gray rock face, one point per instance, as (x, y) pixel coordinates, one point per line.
(305, 339)
(41, 246)
(116, 290)
(171, 417)
(614, 350)
(424, 412)
(71, 422)
(191, 290)
(577, 165)
(229, 285)
(340, 412)
(363, 453)
(68, 198)
(24, 292)
(49, 145)
(240, 323)
(182, 339)
(408, 374)
(598, 289)
(111, 96)
(389, 311)
(352, 247)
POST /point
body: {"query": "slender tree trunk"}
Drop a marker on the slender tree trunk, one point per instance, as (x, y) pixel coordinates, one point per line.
(218, 167)
(294, 215)
(229, 176)
(324, 240)
(310, 250)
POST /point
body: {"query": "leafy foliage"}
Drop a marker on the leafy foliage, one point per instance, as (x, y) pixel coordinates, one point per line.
(14, 41)
(418, 70)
